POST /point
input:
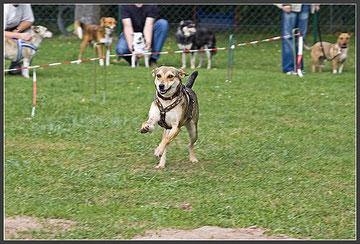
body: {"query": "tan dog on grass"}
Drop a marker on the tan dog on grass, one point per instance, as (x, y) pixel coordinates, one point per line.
(96, 34)
(337, 53)
(26, 54)
(174, 106)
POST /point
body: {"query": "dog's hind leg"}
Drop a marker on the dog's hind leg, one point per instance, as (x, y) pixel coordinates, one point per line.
(208, 54)
(82, 47)
(162, 162)
(183, 61)
(201, 58)
(192, 61)
(192, 132)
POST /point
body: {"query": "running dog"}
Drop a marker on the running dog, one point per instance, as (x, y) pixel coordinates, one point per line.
(174, 106)
(97, 35)
(139, 48)
(17, 50)
(189, 37)
(337, 53)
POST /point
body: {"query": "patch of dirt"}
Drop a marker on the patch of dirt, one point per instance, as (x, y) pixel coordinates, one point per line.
(22, 226)
(212, 233)
(184, 206)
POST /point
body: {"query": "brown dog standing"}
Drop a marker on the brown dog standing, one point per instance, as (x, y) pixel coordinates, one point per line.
(96, 34)
(337, 53)
(174, 106)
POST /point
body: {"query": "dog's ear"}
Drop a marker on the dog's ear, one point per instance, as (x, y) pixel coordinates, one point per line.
(102, 20)
(35, 28)
(154, 71)
(338, 33)
(182, 73)
(350, 34)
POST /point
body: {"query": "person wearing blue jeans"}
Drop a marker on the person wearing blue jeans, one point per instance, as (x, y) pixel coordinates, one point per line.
(142, 18)
(293, 16)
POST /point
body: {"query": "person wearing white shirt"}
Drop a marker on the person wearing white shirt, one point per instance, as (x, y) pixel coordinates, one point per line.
(18, 19)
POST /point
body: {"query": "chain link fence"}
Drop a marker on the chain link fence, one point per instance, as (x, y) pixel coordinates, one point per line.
(262, 20)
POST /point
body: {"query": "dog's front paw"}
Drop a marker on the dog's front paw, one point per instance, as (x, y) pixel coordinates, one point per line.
(146, 127)
(193, 160)
(160, 166)
(158, 152)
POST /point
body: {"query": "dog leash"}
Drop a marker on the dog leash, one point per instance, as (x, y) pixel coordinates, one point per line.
(321, 45)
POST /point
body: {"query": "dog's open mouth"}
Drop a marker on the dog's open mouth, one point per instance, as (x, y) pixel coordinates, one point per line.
(164, 91)
(111, 29)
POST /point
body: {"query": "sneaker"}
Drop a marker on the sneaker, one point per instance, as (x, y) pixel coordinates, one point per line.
(290, 73)
(15, 65)
(153, 62)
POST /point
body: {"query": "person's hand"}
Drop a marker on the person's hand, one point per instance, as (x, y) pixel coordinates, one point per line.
(316, 8)
(25, 36)
(147, 46)
(286, 8)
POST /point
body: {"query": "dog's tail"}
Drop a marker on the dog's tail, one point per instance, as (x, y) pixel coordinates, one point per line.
(306, 46)
(191, 79)
(78, 28)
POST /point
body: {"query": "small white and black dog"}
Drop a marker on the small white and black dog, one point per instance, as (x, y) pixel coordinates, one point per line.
(139, 48)
(189, 37)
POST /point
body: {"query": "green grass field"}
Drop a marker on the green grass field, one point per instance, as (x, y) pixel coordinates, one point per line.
(274, 151)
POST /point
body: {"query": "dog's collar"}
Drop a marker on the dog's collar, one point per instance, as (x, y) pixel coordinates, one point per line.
(177, 93)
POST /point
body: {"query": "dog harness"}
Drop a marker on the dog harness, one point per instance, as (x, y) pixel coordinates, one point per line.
(20, 45)
(180, 93)
(323, 51)
(338, 53)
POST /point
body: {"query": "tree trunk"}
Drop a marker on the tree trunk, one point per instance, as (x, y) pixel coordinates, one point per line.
(87, 13)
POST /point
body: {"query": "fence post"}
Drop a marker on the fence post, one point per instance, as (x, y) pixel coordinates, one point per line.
(34, 93)
(119, 28)
(315, 26)
(230, 58)
(94, 66)
(295, 30)
(194, 13)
